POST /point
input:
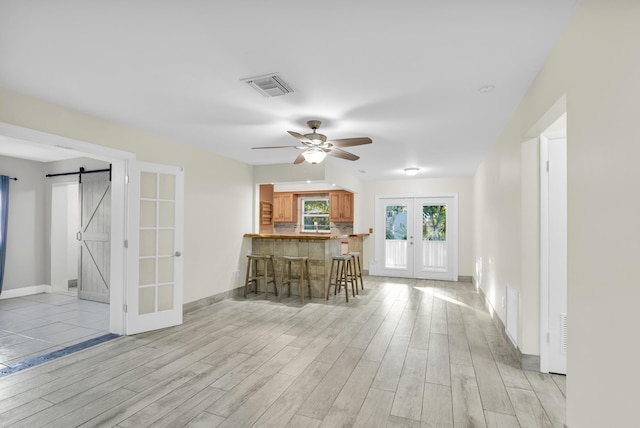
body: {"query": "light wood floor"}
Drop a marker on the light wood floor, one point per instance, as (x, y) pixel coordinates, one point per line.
(405, 353)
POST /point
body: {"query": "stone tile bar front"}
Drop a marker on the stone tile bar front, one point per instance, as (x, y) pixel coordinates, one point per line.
(319, 248)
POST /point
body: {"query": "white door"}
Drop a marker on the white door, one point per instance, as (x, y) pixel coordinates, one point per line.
(435, 246)
(156, 207)
(394, 243)
(95, 238)
(554, 253)
(417, 238)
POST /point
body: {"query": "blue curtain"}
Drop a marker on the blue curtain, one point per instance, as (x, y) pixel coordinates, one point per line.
(4, 214)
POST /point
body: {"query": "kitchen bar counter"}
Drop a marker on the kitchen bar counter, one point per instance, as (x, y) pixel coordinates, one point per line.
(320, 248)
(304, 236)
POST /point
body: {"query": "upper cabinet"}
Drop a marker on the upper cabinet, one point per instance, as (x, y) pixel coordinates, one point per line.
(284, 207)
(340, 206)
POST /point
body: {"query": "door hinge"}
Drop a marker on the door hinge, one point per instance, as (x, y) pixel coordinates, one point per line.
(126, 243)
(124, 307)
(547, 166)
(126, 179)
(548, 337)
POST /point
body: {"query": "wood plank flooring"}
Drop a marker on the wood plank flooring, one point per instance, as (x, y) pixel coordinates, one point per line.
(404, 353)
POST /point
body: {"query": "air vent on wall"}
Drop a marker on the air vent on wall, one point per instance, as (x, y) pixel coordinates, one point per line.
(269, 85)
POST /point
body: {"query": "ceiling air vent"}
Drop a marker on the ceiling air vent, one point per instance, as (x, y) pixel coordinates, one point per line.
(269, 85)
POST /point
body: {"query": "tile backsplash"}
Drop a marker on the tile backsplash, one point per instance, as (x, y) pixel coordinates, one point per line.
(294, 228)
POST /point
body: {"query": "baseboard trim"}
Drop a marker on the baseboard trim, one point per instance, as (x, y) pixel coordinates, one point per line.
(465, 279)
(527, 361)
(201, 303)
(25, 291)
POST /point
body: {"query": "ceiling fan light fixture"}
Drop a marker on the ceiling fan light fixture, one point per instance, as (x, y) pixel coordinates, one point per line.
(411, 171)
(314, 156)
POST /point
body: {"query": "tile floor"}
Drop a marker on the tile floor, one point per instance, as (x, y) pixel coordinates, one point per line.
(403, 353)
(35, 325)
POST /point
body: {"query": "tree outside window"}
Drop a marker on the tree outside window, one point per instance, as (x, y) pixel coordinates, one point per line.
(315, 215)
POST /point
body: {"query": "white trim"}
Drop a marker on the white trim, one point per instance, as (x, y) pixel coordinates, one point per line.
(544, 256)
(119, 160)
(25, 291)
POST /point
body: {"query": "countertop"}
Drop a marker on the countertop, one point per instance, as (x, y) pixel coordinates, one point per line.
(305, 236)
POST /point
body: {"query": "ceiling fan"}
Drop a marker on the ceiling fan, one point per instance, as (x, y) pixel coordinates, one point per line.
(316, 146)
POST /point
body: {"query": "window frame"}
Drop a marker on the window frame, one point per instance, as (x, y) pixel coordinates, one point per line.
(304, 215)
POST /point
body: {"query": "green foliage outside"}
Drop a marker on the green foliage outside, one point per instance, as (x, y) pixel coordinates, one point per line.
(316, 206)
(394, 228)
(434, 222)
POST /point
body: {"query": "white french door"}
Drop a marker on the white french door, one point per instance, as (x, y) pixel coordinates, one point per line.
(416, 237)
(156, 207)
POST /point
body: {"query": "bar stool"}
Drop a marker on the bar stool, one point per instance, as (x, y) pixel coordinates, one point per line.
(288, 277)
(357, 268)
(253, 273)
(343, 274)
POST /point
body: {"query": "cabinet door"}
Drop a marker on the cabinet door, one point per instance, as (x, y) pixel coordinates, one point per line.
(340, 206)
(334, 206)
(283, 207)
(347, 206)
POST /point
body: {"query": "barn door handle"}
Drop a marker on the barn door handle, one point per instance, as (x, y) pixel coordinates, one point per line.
(79, 236)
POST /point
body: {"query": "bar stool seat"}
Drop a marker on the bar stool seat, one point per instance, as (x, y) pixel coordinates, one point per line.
(357, 268)
(341, 273)
(288, 276)
(268, 274)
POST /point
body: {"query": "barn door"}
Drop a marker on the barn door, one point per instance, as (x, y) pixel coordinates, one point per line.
(94, 236)
(154, 290)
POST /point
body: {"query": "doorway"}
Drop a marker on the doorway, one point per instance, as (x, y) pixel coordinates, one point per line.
(64, 225)
(416, 237)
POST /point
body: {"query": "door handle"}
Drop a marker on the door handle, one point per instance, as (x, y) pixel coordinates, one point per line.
(79, 236)
(177, 254)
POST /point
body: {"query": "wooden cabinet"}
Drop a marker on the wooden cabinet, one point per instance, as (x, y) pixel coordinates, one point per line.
(284, 207)
(340, 206)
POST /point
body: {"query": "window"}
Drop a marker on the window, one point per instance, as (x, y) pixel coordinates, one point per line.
(315, 215)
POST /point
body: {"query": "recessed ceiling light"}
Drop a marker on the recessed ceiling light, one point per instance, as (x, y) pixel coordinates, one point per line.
(486, 89)
(411, 171)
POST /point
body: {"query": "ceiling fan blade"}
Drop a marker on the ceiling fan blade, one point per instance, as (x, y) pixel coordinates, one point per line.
(274, 147)
(300, 137)
(342, 154)
(350, 142)
(299, 159)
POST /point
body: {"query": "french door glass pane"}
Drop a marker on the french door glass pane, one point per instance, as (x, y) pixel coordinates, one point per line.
(396, 236)
(157, 231)
(434, 237)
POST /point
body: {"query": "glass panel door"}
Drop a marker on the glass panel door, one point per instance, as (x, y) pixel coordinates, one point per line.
(416, 238)
(154, 295)
(397, 241)
(433, 252)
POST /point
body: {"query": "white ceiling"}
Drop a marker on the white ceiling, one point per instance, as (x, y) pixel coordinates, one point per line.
(405, 73)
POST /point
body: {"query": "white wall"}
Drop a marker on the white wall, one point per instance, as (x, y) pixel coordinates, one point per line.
(218, 191)
(461, 186)
(596, 64)
(25, 263)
